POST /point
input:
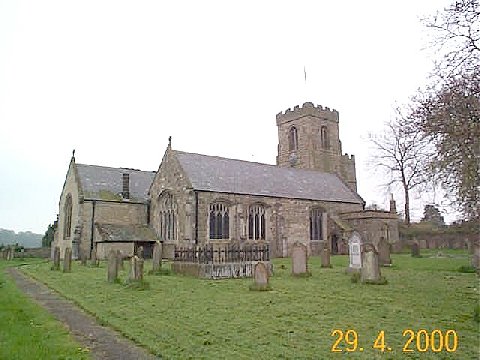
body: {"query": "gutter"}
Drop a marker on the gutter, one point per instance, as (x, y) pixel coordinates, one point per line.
(92, 228)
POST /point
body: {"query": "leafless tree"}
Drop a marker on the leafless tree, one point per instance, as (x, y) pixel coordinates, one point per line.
(455, 35)
(400, 152)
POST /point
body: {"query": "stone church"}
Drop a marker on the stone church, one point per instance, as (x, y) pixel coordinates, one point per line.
(308, 196)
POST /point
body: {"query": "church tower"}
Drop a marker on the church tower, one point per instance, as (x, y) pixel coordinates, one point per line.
(308, 138)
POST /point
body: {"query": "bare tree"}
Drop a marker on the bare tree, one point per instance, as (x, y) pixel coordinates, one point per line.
(400, 152)
(456, 37)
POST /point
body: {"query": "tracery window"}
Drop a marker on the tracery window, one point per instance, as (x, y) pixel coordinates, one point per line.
(256, 222)
(167, 216)
(316, 224)
(219, 221)
(292, 139)
(324, 137)
(67, 210)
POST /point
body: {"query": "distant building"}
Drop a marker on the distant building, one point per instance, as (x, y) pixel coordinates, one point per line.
(308, 196)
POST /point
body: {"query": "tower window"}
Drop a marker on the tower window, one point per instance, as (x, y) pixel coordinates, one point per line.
(219, 221)
(292, 139)
(316, 224)
(324, 137)
(67, 227)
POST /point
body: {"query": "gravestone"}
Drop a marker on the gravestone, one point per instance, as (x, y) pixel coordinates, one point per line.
(140, 252)
(112, 268)
(83, 257)
(384, 258)
(93, 259)
(157, 257)
(56, 258)
(476, 254)
(10, 253)
(325, 257)
(120, 265)
(354, 252)
(3, 254)
(299, 259)
(260, 277)
(415, 249)
(136, 269)
(67, 260)
(370, 268)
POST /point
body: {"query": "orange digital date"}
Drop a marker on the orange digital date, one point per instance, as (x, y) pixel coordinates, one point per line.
(421, 341)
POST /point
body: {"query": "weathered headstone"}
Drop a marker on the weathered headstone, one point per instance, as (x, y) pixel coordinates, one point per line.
(56, 258)
(112, 267)
(140, 252)
(83, 257)
(476, 254)
(136, 269)
(384, 258)
(415, 249)
(260, 277)
(93, 259)
(120, 260)
(10, 253)
(67, 260)
(325, 257)
(299, 259)
(354, 252)
(370, 268)
(157, 257)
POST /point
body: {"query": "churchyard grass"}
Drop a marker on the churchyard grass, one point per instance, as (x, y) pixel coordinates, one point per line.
(27, 331)
(181, 317)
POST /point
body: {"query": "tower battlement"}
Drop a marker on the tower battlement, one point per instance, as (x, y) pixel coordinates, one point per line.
(307, 109)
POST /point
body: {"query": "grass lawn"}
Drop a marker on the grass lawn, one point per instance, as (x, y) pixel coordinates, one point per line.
(27, 331)
(182, 317)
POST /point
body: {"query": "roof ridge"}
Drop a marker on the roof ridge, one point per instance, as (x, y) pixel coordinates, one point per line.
(115, 168)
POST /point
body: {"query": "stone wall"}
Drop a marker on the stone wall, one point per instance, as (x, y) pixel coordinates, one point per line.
(103, 248)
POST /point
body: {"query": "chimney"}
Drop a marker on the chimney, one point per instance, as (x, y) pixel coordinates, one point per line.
(126, 186)
(393, 205)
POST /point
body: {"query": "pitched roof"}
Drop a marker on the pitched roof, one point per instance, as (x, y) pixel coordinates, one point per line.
(106, 183)
(212, 173)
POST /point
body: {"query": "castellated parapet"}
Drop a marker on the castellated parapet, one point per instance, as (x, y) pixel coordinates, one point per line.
(307, 109)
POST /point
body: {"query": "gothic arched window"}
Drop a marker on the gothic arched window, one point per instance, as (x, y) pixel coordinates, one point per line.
(219, 221)
(256, 223)
(67, 211)
(292, 139)
(316, 224)
(168, 216)
(324, 137)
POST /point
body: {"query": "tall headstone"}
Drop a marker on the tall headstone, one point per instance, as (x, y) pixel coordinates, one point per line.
(384, 258)
(120, 265)
(140, 252)
(3, 254)
(93, 259)
(415, 249)
(157, 256)
(325, 257)
(67, 260)
(354, 252)
(112, 268)
(299, 259)
(136, 269)
(83, 257)
(370, 268)
(260, 277)
(10, 253)
(476, 254)
(56, 258)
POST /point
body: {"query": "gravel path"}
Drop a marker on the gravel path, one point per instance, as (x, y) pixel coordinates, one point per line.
(104, 343)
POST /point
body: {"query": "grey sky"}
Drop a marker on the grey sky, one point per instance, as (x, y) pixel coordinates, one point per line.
(114, 79)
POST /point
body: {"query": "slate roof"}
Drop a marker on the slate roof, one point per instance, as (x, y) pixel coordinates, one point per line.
(111, 232)
(106, 183)
(217, 174)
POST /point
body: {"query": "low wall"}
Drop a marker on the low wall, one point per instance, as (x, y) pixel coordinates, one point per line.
(218, 271)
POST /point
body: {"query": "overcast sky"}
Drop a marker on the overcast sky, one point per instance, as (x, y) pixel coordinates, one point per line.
(114, 79)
